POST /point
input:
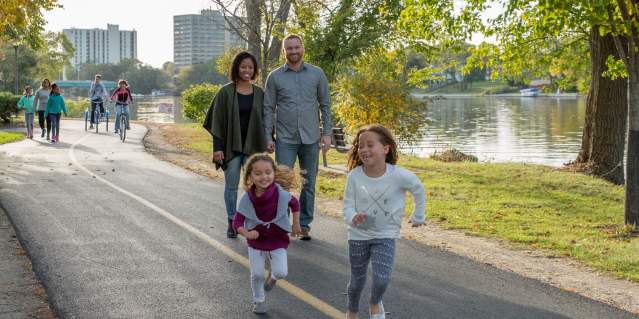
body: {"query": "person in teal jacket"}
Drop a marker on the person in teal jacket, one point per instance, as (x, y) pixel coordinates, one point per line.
(55, 106)
(27, 103)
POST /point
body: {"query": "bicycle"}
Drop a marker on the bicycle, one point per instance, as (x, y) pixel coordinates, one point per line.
(122, 124)
(96, 116)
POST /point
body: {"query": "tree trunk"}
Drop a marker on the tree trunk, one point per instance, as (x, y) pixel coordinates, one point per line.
(254, 32)
(276, 42)
(604, 130)
(17, 70)
(632, 162)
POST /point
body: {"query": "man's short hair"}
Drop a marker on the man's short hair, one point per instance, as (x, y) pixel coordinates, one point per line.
(98, 76)
(292, 36)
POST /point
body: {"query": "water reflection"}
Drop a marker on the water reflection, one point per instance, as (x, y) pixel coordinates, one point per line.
(522, 129)
(165, 109)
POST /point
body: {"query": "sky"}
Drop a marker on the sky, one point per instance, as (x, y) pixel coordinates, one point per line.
(152, 19)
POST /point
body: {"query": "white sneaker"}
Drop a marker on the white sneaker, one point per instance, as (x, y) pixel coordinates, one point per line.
(259, 307)
(381, 315)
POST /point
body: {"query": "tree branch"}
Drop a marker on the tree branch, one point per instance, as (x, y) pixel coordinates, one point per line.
(617, 41)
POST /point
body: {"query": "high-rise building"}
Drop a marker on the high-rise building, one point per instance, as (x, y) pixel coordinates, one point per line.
(99, 46)
(198, 38)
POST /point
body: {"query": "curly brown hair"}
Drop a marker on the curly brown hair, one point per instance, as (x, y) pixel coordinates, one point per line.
(385, 137)
(284, 175)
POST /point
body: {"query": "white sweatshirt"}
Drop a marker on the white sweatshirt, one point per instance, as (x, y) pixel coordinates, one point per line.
(383, 200)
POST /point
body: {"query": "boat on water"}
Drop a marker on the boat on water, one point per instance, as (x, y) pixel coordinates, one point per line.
(529, 92)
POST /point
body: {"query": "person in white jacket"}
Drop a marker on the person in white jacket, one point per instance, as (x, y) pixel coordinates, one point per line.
(373, 210)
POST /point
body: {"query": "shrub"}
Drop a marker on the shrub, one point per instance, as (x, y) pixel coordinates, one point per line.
(196, 100)
(377, 91)
(75, 108)
(8, 105)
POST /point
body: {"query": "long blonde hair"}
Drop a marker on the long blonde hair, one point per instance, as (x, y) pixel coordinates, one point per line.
(284, 175)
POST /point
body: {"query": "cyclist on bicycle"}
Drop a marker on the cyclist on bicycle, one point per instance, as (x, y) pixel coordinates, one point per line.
(122, 98)
(96, 94)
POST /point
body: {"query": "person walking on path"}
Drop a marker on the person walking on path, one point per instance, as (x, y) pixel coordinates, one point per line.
(41, 98)
(122, 98)
(263, 219)
(97, 95)
(27, 103)
(296, 93)
(373, 210)
(55, 106)
(235, 122)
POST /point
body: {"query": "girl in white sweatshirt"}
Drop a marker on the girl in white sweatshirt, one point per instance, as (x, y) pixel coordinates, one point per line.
(373, 210)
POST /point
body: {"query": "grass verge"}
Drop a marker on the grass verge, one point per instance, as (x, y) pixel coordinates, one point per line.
(9, 137)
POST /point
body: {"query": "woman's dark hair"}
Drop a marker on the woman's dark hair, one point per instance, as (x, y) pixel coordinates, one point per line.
(234, 72)
(53, 86)
(385, 137)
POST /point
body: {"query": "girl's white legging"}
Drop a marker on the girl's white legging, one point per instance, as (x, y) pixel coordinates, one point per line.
(279, 269)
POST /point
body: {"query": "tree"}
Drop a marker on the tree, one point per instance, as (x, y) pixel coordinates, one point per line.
(376, 90)
(198, 74)
(261, 24)
(26, 17)
(428, 21)
(351, 27)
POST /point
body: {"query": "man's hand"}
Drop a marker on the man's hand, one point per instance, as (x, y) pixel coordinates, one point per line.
(325, 143)
(218, 157)
(270, 146)
(359, 219)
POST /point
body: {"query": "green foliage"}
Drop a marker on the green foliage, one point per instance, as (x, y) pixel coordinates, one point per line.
(198, 74)
(615, 69)
(10, 137)
(35, 64)
(196, 100)
(76, 108)
(351, 27)
(22, 21)
(376, 91)
(8, 105)
(223, 63)
(142, 78)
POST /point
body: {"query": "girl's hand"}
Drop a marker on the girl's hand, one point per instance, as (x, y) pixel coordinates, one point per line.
(252, 235)
(297, 230)
(359, 219)
(218, 157)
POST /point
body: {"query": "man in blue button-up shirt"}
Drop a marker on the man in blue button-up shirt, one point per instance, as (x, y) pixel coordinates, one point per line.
(296, 93)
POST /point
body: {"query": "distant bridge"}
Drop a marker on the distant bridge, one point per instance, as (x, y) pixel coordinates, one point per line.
(84, 84)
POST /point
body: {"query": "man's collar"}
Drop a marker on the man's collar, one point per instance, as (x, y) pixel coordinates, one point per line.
(287, 67)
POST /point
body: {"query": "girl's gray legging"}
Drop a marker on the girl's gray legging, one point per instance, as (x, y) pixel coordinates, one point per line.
(381, 253)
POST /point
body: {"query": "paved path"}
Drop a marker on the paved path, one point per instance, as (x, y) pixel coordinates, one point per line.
(115, 233)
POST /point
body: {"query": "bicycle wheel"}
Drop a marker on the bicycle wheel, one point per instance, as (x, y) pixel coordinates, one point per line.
(122, 127)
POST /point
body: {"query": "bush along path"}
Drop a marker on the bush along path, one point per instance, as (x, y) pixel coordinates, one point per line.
(562, 228)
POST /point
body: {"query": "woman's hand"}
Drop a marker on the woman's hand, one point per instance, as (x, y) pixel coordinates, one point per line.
(218, 157)
(359, 219)
(252, 235)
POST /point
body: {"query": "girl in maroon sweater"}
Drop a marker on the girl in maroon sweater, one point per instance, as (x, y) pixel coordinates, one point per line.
(262, 217)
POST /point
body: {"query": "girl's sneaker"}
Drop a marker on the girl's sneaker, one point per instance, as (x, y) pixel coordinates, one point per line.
(381, 314)
(259, 307)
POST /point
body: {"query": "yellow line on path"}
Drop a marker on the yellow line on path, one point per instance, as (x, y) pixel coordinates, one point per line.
(295, 291)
